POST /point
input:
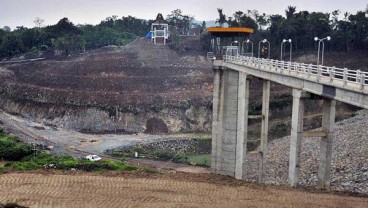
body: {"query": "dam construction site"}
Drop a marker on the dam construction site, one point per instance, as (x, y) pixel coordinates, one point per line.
(153, 109)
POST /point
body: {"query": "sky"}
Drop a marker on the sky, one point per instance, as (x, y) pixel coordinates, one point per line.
(22, 12)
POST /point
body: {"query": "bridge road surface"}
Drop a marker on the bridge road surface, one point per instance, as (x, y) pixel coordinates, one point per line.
(168, 190)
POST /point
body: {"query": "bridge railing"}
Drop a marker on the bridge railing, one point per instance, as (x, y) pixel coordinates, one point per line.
(306, 71)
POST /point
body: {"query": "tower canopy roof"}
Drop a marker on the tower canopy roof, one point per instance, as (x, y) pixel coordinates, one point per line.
(229, 31)
(160, 19)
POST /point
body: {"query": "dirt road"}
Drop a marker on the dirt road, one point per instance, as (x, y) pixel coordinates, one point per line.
(48, 190)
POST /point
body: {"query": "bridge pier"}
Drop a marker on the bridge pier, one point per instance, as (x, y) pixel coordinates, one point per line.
(230, 122)
(242, 125)
(264, 129)
(328, 123)
(327, 135)
(296, 135)
(217, 108)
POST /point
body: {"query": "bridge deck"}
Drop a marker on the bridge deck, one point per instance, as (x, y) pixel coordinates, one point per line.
(349, 86)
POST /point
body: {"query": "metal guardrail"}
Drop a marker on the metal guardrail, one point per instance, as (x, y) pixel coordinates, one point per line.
(210, 56)
(304, 70)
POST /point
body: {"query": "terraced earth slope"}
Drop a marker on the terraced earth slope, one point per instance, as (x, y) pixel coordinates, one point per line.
(113, 89)
(139, 87)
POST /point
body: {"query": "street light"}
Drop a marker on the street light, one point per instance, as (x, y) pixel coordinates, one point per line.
(328, 38)
(259, 47)
(236, 42)
(291, 46)
(247, 41)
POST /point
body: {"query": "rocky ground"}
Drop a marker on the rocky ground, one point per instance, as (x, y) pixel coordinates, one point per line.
(349, 167)
(187, 145)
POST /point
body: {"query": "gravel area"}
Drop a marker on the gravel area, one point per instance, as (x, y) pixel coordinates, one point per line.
(188, 146)
(349, 169)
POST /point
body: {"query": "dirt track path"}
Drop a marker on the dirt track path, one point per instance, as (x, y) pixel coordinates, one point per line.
(41, 190)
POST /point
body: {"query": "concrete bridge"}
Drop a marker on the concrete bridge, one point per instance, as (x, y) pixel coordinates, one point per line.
(231, 100)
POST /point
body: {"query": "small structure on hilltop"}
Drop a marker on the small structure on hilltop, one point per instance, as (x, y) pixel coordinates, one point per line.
(160, 30)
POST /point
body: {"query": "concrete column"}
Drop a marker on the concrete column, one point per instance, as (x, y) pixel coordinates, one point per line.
(217, 106)
(229, 125)
(242, 125)
(296, 136)
(264, 130)
(328, 123)
(215, 116)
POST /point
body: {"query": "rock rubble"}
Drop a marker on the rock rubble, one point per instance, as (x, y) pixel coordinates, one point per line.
(349, 168)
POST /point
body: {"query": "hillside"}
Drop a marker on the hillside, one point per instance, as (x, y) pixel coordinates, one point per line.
(124, 89)
(126, 84)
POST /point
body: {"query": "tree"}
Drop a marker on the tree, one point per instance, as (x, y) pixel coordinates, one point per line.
(222, 17)
(7, 29)
(38, 22)
(62, 43)
(335, 19)
(203, 26)
(182, 22)
(238, 15)
(262, 20)
(290, 12)
(62, 28)
(246, 21)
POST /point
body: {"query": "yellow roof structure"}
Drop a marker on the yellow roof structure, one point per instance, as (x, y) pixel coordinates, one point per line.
(229, 30)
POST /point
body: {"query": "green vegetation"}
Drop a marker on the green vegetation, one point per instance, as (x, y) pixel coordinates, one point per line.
(11, 148)
(118, 154)
(44, 160)
(201, 160)
(167, 154)
(22, 158)
(69, 38)
(348, 33)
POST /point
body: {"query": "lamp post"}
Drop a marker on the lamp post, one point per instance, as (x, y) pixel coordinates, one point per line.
(247, 41)
(291, 47)
(323, 47)
(259, 47)
(236, 42)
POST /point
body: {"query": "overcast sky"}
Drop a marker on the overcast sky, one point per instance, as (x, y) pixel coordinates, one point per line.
(22, 12)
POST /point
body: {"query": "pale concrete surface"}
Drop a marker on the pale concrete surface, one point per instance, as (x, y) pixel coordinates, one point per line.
(264, 128)
(296, 137)
(328, 125)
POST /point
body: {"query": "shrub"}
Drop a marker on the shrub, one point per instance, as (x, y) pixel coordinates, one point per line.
(44, 47)
(119, 154)
(167, 154)
(138, 149)
(65, 163)
(201, 160)
(11, 148)
(21, 166)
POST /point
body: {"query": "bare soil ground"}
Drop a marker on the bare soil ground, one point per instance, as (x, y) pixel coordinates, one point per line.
(137, 74)
(166, 190)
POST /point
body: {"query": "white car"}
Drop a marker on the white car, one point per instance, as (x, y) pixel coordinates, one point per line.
(92, 158)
